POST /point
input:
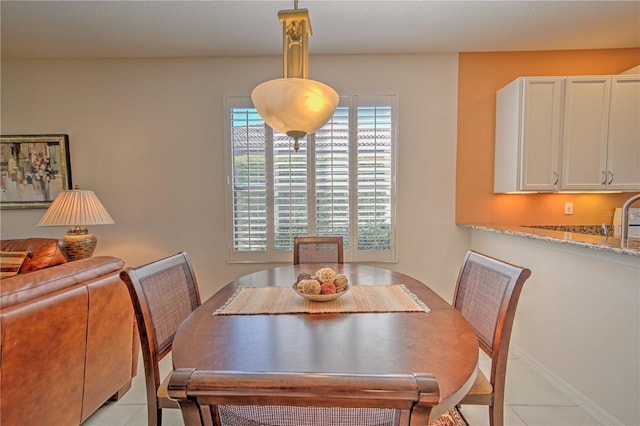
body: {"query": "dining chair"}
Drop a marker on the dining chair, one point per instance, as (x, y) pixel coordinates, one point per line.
(313, 249)
(164, 293)
(233, 398)
(487, 293)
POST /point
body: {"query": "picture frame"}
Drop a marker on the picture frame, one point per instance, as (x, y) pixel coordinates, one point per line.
(34, 169)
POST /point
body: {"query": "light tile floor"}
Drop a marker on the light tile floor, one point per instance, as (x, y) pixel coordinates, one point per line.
(530, 400)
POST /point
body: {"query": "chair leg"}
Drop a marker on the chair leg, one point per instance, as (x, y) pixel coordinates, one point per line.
(154, 415)
(496, 411)
(492, 417)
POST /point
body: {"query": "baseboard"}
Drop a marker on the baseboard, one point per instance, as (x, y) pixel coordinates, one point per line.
(593, 409)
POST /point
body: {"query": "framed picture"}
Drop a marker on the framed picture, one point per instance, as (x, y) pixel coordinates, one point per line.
(33, 170)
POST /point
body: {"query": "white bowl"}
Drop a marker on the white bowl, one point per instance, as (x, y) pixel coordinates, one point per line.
(321, 297)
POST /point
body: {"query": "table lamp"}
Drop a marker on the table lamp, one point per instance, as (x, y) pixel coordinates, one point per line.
(76, 208)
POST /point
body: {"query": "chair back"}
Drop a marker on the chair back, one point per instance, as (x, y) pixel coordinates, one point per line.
(232, 398)
(487, 294)
(315, 249)
(164, 293)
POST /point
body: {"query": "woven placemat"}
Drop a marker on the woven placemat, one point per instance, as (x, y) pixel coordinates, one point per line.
(284, 300)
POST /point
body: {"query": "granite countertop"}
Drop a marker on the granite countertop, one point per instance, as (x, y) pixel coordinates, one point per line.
(582, 236)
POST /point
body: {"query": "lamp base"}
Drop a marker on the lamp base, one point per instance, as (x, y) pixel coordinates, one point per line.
(77, 246)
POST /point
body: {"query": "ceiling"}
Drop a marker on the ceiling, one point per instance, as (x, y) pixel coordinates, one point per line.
(77, 29)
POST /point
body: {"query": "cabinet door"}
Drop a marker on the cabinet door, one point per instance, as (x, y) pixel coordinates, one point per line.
(541, 134)
(586, 116)
(528, 131)
(623, 148)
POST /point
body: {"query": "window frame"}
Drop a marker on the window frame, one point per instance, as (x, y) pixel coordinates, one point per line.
(353, 254)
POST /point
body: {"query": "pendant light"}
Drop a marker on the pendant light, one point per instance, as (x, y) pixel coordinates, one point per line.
(295, 105)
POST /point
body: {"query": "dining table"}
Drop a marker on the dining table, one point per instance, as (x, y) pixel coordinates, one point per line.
(386, 323)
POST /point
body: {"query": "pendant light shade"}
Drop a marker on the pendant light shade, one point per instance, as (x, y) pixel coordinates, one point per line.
(295, 105)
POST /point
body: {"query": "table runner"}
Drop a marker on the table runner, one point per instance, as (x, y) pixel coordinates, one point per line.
(284, 300)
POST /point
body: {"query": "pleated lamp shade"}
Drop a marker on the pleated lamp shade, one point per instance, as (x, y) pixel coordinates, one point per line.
(76, 209)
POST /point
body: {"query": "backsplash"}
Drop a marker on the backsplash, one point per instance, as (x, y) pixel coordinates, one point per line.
(577, 229)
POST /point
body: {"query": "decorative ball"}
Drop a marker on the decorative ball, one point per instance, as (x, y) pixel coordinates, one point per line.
(325, 274)
(309, 287)
(303, 276)
(328, 288)
(341, 282)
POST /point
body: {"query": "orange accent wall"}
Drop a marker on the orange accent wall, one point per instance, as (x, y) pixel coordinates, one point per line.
(481, 75)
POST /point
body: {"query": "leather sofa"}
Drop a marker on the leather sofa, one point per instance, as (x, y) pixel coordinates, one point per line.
(68, 338)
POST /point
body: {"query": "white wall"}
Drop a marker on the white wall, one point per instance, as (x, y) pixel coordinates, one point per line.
(147, 136)
(579, 317)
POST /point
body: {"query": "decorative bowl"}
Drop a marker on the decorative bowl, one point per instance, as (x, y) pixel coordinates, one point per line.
(321, 297)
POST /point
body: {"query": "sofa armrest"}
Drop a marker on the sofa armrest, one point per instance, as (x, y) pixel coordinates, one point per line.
(24, 287)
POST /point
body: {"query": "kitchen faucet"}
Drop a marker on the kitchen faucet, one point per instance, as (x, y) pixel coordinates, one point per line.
(624, 232)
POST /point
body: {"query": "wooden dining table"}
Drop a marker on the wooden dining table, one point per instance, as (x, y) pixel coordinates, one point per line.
(437, 340)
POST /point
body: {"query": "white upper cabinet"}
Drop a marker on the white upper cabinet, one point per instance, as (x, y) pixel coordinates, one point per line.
(584, 140)
(623, 144)
(583, 130)
(601, 139)
(528, 132)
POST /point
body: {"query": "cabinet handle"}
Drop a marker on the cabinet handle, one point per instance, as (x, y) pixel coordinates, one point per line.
(611, 179)
(555, 175)
(604, 178)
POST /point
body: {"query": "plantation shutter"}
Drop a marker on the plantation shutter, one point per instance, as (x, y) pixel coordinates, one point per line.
(248, 177)
(290, 177)
(332, 178)
(339, 182)
(375, 177)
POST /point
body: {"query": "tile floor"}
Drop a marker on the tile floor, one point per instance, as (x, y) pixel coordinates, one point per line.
(530, 401)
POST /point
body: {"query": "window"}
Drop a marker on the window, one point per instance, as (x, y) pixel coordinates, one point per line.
(340, 182)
